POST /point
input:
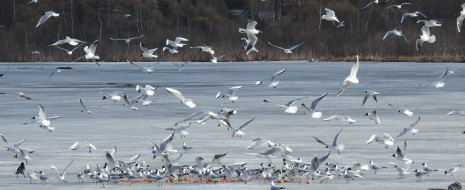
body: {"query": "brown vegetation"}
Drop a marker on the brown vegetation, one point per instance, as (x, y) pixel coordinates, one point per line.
(211, 22)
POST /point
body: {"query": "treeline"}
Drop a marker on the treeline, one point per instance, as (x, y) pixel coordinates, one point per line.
(216, 22)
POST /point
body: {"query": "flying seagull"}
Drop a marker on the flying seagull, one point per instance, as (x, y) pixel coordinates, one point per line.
(312, 108)
(352, 78)
(334, 145)
(46, 16)
(187, 101)
(287, 50)
(127, 40)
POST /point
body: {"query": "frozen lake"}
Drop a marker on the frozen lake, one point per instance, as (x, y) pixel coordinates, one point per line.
(439, 141)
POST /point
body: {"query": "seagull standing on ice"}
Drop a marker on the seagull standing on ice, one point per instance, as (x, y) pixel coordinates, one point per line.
(46, 16)
(352, 78)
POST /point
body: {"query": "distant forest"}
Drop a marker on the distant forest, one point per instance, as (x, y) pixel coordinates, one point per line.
(216, 23)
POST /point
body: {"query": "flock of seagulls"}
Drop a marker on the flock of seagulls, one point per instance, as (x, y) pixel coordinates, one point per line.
(425, 36)
(290, 170)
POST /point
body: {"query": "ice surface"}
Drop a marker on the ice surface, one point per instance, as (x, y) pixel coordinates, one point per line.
(438, 143)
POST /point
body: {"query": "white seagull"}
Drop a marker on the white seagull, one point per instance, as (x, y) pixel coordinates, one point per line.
(395, 32)
(374, 1)
(315, 114)
(180, 67)
(33, 1)
(334, 146)
(237, 132)
(386, 139)
(90, 53)
(373, 116)
(61, 176)
(273, 82)
(127, 40)
(399, 6)
(147, 53)
(410, 129)
(43, 121)
(275, 187)
(460, 18)
(215, 59)
(172, 50)
(68, 40)
(404, 111)
(290, 108)
(341, 118)
(368, 94)
(83, 144)
(181, 129)
(147, 70)
(204, 48)
(330, 15)
(231, 94)
(84, 107)
(149, 90)
(164, 148)
(287, 50)
(430, 23)
(187, 101)
(177, 42)
(22, 95)
(414, 14)
(115, 96)
(452, 170)
(402, 156)
(131, 102)
(46, 16)
(69, 52)
(352, 78)
(250, 31)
